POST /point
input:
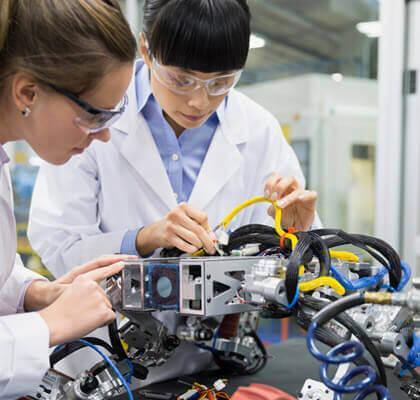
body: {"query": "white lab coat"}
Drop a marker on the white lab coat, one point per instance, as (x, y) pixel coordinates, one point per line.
(24, 337)
(82, 210)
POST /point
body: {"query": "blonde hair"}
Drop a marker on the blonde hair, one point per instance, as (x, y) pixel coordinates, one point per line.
(66, 43)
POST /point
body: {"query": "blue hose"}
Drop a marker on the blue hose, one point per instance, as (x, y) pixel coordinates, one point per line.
(405, 276)
(344, 353)
(366, 282)
(361, 283)
(295, 299)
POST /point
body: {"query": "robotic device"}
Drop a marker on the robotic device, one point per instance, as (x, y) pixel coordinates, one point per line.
(358, 308)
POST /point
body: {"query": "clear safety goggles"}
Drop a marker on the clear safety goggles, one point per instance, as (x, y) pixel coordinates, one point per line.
(183, 83)
(94, 119)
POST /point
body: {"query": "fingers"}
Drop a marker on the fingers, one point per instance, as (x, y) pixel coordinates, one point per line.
(89, 287)
(183, 245)
(107, 317)
(82, 307)
(270, 186)
(104, 261)
(199, 216)
(100, 262)
(100, 274)
(306, 198)
(270, 211)
(203, 230)
(192, 227)
(277, 186)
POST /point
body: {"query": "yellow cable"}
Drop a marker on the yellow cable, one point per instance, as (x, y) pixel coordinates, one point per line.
(322, 281)
(344, 256)
(304, 286)
(254, 200)
(199, 253)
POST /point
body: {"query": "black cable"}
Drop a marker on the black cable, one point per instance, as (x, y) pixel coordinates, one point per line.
(309, 244)
(227, 363)
(70, 348)
(264, 240)
(116, 341)
(264, 358)
(377, 248)
(253, 228)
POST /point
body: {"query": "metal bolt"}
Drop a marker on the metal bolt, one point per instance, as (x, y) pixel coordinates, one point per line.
(209, 300)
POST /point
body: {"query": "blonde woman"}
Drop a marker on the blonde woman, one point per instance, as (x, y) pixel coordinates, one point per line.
(64, 69)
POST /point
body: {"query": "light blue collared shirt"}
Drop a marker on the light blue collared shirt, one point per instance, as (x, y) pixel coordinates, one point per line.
(182, 156)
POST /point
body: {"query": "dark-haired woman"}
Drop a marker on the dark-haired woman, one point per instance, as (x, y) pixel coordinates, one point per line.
(187, 150)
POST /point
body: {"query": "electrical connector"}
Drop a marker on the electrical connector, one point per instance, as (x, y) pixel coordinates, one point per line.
(219, 385)
(222, 237)
(190, 394)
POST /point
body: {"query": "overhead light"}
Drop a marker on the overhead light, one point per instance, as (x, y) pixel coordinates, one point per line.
(337, 77)
(372, 29)
(256, 42)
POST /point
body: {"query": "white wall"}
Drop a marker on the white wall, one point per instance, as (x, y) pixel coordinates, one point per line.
(333, 116)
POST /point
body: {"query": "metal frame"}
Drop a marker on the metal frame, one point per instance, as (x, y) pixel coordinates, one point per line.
(134, 296)
(216, 270)
(391, 107)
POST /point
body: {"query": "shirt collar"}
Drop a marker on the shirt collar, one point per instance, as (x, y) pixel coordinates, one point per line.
(144, 90)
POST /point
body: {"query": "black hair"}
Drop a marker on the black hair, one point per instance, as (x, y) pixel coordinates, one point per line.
(200, 35)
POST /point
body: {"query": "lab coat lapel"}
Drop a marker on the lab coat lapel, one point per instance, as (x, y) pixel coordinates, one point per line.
(141, 152)
(222, 161)
(139, 149)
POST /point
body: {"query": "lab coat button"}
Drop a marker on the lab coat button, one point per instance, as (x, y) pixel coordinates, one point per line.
(175, 157)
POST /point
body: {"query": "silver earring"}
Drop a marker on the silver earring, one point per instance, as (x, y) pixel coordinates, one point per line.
(26, 112)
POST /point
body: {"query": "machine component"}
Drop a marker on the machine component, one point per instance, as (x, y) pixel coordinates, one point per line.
(265, 282)
(202, 286)
(148, 339)
(410, 299)
(244, 354)
(210, 286)
(289, 273)
(51, 385)
(87, 386)
(412, 388)
(162, 286)
(194, 330)
(146, 285)
(315, 390)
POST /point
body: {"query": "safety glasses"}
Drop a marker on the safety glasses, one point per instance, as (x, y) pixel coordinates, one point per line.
(95, 119)
(183, 83)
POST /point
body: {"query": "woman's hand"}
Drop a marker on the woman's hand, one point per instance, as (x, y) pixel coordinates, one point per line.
(82, 307)
(298, 205)
(41, 294)
(185, 228)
